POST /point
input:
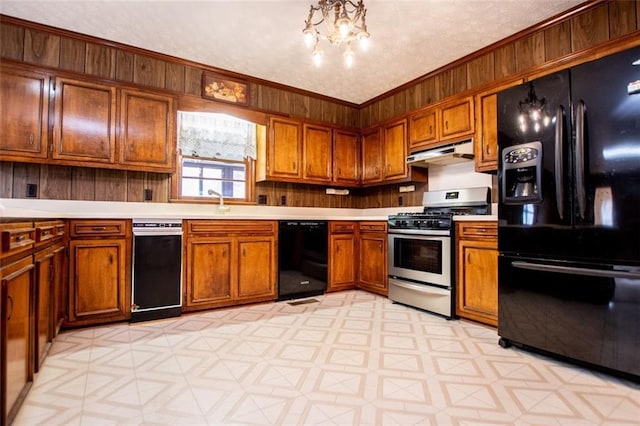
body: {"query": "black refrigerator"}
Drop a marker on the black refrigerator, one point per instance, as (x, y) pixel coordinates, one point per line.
(569, 214)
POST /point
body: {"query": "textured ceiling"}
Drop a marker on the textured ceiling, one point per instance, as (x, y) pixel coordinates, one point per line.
(263, 38)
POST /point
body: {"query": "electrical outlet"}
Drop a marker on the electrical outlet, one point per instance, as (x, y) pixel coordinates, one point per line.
(283, 200)
(400, 200)
(148, 194)
(32, 190)
(262, 199)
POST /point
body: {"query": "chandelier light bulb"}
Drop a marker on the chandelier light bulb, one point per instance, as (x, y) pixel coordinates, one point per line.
(317, 56)
(348, 56)
(343, 27)
(308, 38)
(363, 37)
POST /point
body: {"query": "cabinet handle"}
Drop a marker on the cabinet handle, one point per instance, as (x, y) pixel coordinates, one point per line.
(294, 165)
(30, 138)
(244, 252)
(377, 171)
(98, 228)
(481, 230)
(446, 125)
(468, 257)
(381, 247)
(339, 171)
(338, 249)
(224, 252)
(20, 238)
(10, 310)
(110, 259)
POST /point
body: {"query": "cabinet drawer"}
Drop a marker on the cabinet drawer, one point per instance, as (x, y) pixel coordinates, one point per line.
(487, 230)
(48, 231)
(230, 227)
(17, 238)
(342, 227)
(373, 226)
(87, 228)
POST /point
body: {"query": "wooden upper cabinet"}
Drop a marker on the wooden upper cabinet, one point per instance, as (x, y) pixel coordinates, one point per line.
(85, 122)
(346, 157)
(423, 129)
(147, 129)
(456, 119)
(485, 144)
(284, 148)
(395, 150)
(317, 153)
(24, 102)
(371, 156)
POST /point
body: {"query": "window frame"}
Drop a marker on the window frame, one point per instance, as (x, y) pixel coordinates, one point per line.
(192, 104)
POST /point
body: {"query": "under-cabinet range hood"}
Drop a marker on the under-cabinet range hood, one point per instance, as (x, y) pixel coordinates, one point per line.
(446, 154)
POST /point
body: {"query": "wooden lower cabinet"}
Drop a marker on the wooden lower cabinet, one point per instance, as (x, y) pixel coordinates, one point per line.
(99, 272)
(373, 257)
(17, 307)
(343, 256)
(477, 271)
(229, 262)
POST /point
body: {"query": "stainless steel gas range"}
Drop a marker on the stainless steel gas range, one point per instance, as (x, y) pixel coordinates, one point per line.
(421, 251)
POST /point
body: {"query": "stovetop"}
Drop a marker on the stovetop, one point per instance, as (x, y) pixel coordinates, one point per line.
(440, 207)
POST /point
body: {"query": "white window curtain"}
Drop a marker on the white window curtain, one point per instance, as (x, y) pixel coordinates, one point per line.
(217, 136)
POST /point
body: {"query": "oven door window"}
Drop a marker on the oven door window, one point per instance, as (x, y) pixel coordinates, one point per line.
(418, 255)
(421, 258)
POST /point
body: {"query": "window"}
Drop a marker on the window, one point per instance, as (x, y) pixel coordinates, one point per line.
(217, 154)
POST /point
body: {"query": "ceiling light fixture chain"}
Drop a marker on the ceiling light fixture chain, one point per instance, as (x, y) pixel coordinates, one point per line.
(344, 21)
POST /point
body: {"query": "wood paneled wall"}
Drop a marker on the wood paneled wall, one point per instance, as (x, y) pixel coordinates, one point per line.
(314, 196)
(516, 56)
(81, 183)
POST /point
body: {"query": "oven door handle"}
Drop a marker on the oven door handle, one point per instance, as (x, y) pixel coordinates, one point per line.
(423, 288)
(420, 232)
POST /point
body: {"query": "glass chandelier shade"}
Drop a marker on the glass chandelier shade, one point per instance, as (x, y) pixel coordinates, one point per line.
(344, 21)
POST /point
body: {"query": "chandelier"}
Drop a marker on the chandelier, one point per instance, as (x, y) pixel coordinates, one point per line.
(533, 112)
(344, 22)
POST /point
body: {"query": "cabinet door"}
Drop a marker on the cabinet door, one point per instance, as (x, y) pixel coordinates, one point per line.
(256, 268)
(44, 306)
(373, 262)
(371, 156)
(423, 130)
(60, 288)
(395, 150)
(486, 144)
(477, 297)
(24, 102)
(17, 292)
(317, 153)
(284, 148)
(98, 281)
(346, 157)
(343, 262)
(208, 272)
(146, 135)
(457, 119)
(84, 128)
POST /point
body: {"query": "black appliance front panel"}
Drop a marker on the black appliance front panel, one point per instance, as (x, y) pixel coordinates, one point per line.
(531, 226)
(302, 259)
(590, 319)
(610, 226)
(157, 271)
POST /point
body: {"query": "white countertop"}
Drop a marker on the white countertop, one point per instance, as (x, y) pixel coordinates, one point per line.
(62, 209)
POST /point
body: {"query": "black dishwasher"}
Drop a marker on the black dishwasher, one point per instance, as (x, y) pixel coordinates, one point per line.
(302, 258)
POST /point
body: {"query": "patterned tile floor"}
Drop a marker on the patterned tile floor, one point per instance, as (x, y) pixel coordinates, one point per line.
(350, 358)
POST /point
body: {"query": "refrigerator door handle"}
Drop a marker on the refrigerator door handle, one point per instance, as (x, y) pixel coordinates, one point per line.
(559, 161)
(579, 159)
(576, 271)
